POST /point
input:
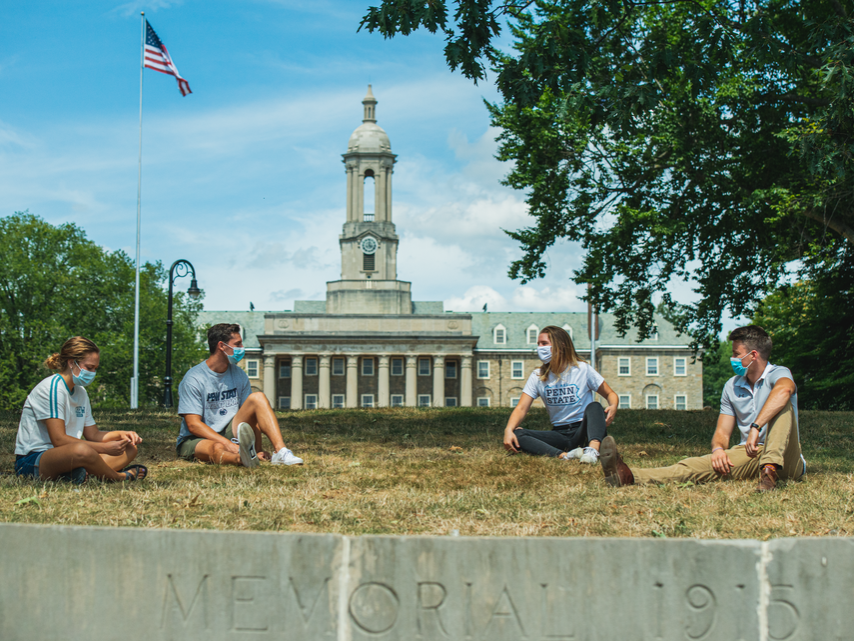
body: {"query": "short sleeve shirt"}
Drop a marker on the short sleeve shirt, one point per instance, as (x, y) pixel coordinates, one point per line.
(213, 396)
(52, 399)
(744, 402)
(567, 395)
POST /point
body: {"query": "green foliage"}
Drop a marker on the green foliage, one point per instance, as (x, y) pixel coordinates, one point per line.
(812, 325)
(55, 283)
(707, 141)
(716, 372)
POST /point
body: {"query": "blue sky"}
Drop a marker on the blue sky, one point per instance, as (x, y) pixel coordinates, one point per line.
(244, 177)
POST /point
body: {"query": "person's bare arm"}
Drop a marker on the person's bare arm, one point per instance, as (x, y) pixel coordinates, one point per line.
(94, 435)
(610, 395)
(779, 397)
(516, 417)
(720, 443)
(199, 429)
(58, 436)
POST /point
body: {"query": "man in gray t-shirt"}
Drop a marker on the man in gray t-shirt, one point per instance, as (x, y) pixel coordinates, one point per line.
(222, 419)
(761, 400)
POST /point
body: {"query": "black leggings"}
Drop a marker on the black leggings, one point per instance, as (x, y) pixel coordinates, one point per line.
(564, 438)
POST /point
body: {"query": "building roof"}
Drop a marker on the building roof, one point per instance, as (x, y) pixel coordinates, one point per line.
(252, 323)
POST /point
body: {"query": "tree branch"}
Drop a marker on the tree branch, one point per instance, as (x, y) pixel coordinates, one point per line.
(840, 227)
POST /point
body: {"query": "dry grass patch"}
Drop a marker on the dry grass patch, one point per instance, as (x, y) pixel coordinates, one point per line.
(431, 471)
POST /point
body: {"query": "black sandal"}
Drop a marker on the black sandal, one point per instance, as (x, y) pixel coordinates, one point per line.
(135, 472)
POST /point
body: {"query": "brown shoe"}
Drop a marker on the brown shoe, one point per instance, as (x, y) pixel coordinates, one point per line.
(767, 479)
(616, 472)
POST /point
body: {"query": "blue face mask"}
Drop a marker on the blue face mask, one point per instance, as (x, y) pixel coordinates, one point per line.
(737, 365)
(84, 378)
(237, 355)
(545, 353)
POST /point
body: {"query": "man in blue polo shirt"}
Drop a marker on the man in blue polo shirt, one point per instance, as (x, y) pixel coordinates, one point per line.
(762, 401)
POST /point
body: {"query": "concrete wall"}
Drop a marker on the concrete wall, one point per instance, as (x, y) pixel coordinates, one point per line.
(105, 583)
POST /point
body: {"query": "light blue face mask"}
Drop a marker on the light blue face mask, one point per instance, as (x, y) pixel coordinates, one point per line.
(737, 365)
(84, 378)
(544, 352)
(237, 355)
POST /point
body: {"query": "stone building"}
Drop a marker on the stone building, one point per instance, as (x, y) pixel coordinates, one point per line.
(370, 345)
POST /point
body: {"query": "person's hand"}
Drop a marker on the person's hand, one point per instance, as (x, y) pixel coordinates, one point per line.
(263, 456)
(610, 413)
(131, 437)
(721, 462)
(510, 442)
(115, 448)
(233, 448)
(751, 446)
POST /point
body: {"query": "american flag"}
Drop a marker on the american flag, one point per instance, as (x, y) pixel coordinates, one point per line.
(158, 58)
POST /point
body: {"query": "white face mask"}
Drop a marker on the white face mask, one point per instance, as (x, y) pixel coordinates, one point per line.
(545, 353)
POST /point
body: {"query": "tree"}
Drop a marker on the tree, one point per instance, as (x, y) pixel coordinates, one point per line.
(716, 372)
(56, 283)
(704, 140)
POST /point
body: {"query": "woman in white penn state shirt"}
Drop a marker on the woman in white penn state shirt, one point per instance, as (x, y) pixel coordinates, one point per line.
(566, 385)
(57, 413)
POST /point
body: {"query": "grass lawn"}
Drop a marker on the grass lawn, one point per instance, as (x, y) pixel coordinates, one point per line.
(431, 471)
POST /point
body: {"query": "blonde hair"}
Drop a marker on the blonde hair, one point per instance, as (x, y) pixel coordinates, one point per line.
(74, 349)
(564, 355)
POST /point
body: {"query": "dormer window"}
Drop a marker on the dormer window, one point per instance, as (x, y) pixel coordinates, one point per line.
(533, 332)
(499, 335)
(568, 329)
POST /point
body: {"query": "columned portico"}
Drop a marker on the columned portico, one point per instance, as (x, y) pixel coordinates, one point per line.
(411, 399)
(465, 381)
(438, 380)
(352, 399)
(323, 398)
(296, 381)
(270, 378)
(383, 382)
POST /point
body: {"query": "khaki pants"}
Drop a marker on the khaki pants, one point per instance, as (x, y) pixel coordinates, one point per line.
(781, 448)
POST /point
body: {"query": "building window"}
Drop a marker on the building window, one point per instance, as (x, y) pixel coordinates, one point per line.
(252, 368)
(311, 367)
(368, 262)
(450, 369)
(483, 401)
(285, 369)
(514, 401)
(483, 369)
(397, 400)
(423, 400)
(284, 402)
(397, 367)
(533, 333)
(450, 401)
(624, 366)
(625, 402)
(681, 402)
(368, 367)
(517, 369)
(652, 366)
(499, 335)
(367, 400)
(311, 401)
(424, 367)
(568, 330)
(337, 401)
(652, 401)
(338, 367)
(680, 366)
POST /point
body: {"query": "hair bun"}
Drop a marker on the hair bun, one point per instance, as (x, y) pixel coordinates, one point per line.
(53, 362)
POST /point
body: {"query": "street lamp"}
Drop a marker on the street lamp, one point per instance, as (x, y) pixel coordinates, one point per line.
(179, 268)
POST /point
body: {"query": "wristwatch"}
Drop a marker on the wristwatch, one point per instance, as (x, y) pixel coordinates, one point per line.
(753, 426)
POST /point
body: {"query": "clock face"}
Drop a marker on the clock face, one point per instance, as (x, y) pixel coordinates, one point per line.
(368, 245)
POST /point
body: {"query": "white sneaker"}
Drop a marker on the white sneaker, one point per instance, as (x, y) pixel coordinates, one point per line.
(246, 442)
(285, 457)
(572, 454)
(590, 456)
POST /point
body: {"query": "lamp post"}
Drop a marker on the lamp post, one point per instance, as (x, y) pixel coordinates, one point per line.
(179, 268)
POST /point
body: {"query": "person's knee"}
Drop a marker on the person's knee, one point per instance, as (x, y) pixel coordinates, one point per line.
(258, 399)
(217, 452)
(82, 454)
(594, 409)
(130, 452)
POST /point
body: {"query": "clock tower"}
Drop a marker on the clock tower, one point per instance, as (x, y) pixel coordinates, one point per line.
(368, 241)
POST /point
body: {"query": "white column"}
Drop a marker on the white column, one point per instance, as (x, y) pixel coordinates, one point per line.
(379, 196)
(352, 381)
(438, 380)
(383, 400)
(349, 193)
(270, 378)
(323, 400)
(411, 399)
(388, 174)
(465, 381)
(296, 382)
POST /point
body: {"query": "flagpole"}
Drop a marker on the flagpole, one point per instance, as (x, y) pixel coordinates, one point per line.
(134, 383)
